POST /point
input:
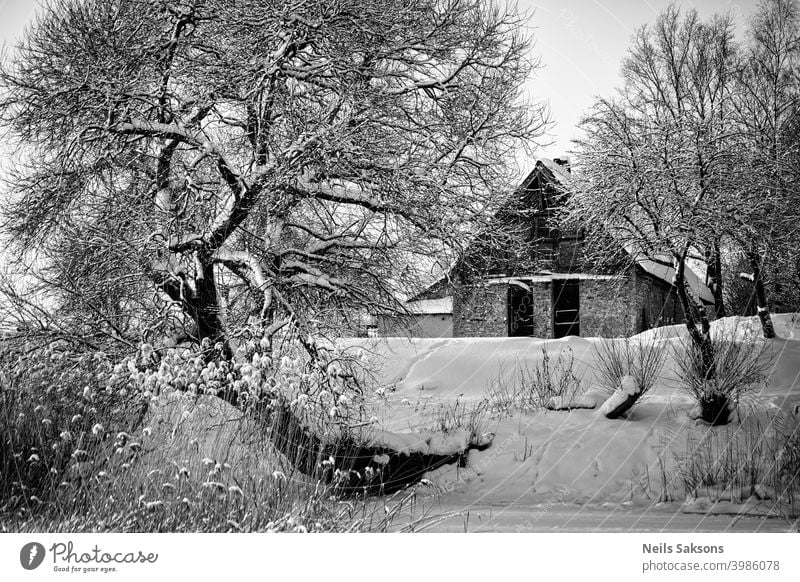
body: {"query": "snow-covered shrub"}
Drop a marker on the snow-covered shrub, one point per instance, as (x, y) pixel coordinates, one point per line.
(551, 378)
(461, 414)
(739, 367)
(642, 360)
(533, 385)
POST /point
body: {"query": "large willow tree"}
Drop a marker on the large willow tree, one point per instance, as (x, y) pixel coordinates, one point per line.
(189, 167)
(196, 170)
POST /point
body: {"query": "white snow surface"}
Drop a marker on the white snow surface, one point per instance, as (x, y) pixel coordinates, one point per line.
(425, 443)
(628, 386)
(431, 306)
(547, 456)
(547, 277)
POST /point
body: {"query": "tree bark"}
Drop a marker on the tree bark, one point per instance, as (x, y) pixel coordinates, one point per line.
(199, 302)
(353, 467)
(760, 295)
(714, 279)
(715, 406)
(696, 320)
(206, 309)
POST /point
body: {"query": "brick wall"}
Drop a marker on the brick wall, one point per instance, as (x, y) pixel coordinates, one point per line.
(609, 307)
(628, 306)
(480, 310)
(542, 310)
(660, 301)
(617, 307)
(416, 325)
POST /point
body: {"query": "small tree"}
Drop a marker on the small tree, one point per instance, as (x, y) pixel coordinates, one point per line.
(740, 368)
(653, 161)
(697, 156)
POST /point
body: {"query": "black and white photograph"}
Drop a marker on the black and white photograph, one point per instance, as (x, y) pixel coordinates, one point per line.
(399, 266)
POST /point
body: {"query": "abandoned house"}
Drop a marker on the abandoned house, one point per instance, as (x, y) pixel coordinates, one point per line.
(531, 279)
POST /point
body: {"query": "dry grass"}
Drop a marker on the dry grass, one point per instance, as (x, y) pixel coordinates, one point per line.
(461, 415)
(86, 445)
(739, 368)
(530, 387)
(758, 458)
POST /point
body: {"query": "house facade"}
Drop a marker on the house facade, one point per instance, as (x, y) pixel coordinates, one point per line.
(527, 278)
(554, 305)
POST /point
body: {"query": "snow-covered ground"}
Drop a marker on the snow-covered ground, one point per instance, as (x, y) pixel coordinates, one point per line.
(563, 460)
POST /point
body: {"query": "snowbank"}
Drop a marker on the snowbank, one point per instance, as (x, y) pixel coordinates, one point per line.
(554, 456)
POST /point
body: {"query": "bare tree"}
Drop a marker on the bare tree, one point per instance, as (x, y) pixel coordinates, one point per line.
(271, 160)
(653, 165)
(206, 168)
(766, 105)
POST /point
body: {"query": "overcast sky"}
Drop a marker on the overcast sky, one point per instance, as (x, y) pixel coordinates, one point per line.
(580, 43)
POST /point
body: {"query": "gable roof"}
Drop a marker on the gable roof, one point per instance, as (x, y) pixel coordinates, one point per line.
(553, 172)
(558, 173)
(658, 268)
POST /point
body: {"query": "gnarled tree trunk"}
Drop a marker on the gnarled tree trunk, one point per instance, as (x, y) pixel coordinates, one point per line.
(350, 464)
(715, 406)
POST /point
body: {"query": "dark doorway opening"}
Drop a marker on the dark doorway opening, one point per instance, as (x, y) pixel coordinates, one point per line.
(566, 308)
(520, 312)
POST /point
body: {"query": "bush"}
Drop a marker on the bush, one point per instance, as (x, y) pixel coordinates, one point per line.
(534, 386)
(739, 367)
(616, 358)
(470, 417)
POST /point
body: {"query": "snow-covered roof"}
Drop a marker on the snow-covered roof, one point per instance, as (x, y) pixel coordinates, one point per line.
(667, 273)
(651, 267)
(431, 306)
(561, 173)
(546, 277)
